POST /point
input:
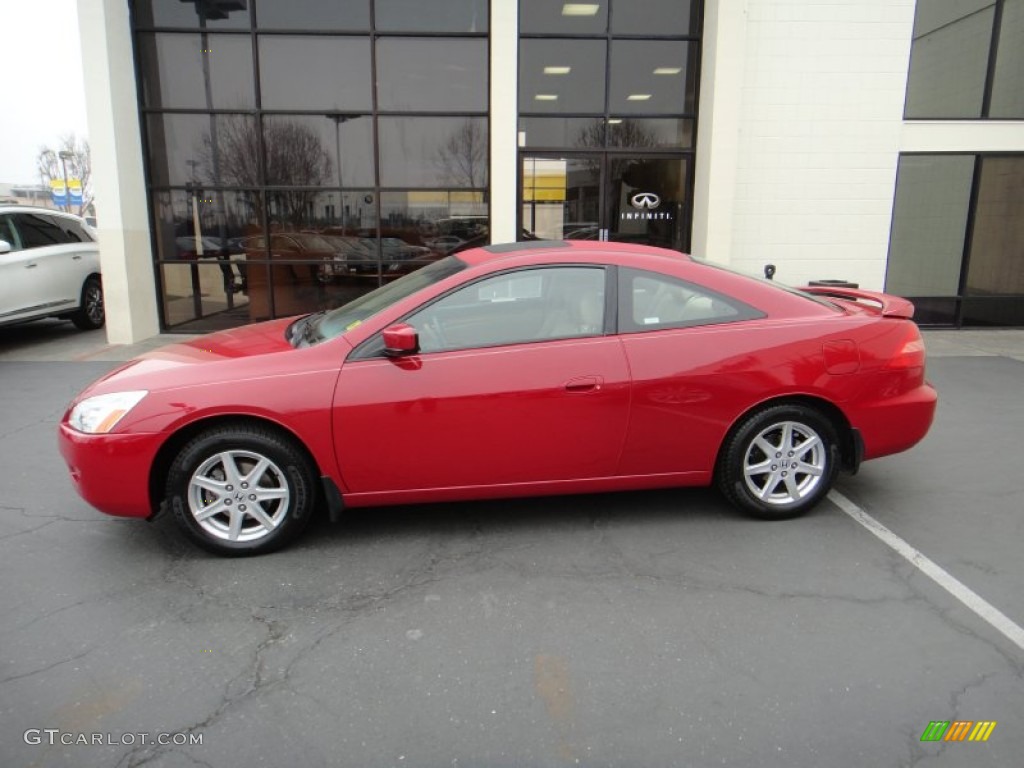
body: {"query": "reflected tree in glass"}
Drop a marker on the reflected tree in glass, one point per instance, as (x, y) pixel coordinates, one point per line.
(462, 158)
(295, 157)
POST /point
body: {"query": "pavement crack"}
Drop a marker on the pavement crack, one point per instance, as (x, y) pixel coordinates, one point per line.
(48, 667)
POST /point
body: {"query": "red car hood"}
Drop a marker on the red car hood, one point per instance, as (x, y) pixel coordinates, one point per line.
(233, 355)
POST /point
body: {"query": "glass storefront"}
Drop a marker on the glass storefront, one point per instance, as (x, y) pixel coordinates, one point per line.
(299, 154)
(608, 105)
(958, 238)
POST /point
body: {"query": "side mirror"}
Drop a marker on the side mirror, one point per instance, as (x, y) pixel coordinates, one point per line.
(401, 339)
(5, 247)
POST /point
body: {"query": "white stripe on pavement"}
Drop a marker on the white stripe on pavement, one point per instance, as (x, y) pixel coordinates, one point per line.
(1012, 631)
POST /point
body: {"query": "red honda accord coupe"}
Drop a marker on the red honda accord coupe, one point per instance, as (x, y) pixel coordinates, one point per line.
(511, 370)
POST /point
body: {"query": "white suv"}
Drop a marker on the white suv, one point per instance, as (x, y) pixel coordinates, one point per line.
(49, 267)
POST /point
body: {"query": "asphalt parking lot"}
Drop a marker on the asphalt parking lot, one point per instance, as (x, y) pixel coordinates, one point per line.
(640, 629)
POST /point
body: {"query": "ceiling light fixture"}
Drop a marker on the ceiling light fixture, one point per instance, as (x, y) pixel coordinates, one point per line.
(614, 120)
(638, 97)
(546, 97)
(557, 70)
(668, 70)
(580, 9)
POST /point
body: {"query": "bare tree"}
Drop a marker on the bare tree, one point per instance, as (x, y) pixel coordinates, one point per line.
(626, 133)
(462, 159)
(295, 157)
(79, 166)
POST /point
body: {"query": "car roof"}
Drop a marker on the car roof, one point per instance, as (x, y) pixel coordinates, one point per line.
(9, 208)
(544, 248)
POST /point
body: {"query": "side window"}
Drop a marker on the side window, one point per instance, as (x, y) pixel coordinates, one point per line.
(515, 307)
(649, 301)
(8, 233)
(38, 231)
(74, 231)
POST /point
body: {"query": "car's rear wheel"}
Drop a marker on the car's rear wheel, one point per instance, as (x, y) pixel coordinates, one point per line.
(91, 314)
(241, 490)
(780, 461)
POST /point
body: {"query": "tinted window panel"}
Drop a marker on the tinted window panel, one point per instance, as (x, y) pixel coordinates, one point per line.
(651, 77)
(640, 133)
(949, 58)
(562, 132)
(314, 14)
(441, 220)
(442, 16)
(303, 150)
(1008, 82)
(182, 150)
(176, 68)
(516, 307)
(929, 222)
(226, 219)
(161, 13)
(37, 230)
(997, 242)
(561, 76)
(654, 17)
(308, 73)
(432, 75)
(433, 152)
(546, 17)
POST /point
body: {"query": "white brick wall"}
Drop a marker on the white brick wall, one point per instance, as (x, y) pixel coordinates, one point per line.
(816, 138)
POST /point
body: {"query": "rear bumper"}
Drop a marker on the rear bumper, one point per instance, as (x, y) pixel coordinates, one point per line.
(895, 424)
(111, 471)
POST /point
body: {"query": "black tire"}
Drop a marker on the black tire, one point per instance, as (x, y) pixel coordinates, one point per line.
(91, 314)
(775, 439)
(241, 519)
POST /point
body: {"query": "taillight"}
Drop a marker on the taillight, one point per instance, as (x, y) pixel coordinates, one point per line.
(910, 354)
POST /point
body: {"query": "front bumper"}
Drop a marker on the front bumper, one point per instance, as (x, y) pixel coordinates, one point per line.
(110, 471)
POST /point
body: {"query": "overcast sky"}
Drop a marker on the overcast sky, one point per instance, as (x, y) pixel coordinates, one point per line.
(43, 95)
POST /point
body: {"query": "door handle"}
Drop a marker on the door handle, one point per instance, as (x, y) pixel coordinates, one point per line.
(31, 265)
(77, 257)
(583, 384)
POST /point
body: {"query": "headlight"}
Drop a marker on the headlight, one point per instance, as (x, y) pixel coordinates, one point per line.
(98, 415)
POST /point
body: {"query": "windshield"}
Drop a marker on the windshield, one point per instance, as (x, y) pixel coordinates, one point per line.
(345, 318)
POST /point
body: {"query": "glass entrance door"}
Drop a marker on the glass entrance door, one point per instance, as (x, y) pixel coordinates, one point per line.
(606, 196)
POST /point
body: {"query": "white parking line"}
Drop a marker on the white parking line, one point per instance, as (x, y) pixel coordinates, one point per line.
(1012, 631)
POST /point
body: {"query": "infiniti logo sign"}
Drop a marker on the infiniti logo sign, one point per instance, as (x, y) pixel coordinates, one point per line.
(645, 201)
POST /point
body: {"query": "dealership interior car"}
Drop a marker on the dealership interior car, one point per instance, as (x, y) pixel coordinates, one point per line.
(543, 367)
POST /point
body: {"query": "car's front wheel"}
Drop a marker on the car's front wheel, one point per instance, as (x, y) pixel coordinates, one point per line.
(91, 314)
(780, 461)
(241, 489)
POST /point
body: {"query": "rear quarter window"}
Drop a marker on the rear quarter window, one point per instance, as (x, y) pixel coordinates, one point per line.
(651, 301)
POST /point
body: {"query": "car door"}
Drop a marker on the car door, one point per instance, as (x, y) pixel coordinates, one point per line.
(55, 277)
(693, 359)
(516, 382)
(16, 278)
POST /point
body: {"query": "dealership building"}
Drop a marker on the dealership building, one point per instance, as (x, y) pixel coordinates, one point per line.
(261, 158)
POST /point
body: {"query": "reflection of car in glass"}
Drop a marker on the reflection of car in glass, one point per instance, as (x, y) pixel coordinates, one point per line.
(444, 244)
(398, 256)
(49, 267)
(513, 370)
